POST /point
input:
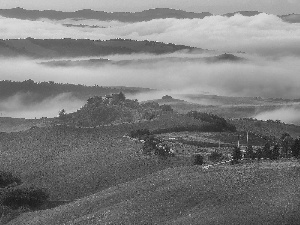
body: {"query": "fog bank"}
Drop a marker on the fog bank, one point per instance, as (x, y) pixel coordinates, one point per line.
(256, 77)
(20, 106)
(262, 34)
(285, 114)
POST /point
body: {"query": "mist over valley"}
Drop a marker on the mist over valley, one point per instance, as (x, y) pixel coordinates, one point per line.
(157, 116)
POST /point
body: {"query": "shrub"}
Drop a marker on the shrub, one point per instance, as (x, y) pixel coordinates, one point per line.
(237, 154)
(7, 178)
(163, 150)
(25, 197)
(250, 153)
(167, 97)
(139, 133)
(198, 159)
(150, 145)
(166, 108)
(215, 156)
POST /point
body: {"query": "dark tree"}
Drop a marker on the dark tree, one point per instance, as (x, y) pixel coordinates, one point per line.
(121, 96)
(275, 152)
(198, 159)
(62, 114)
(250, 153)
(267, 153)
(25, 197)
(259, 153)
(117, 98)
(236, 155)
(150, 145)
(296, 148)
(286, 143)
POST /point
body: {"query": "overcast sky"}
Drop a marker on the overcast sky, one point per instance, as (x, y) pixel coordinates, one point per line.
(214, 6)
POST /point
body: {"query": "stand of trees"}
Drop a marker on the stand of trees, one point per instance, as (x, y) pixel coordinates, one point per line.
(289, 148)
(15, 200)
(216, 123)
(154, 146)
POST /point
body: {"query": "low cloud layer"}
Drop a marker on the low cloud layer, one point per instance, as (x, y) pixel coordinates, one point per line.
(285, 114)
(21, 106)
(271, 70)
(257, 77)
(263, 34)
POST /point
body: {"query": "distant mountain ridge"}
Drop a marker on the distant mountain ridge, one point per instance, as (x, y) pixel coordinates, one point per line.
(67, 47)
(38, 91)
(158, 13)
(146, 15)
(101, 61)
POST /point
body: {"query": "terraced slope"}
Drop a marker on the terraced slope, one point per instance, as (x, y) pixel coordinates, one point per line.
(267, 193)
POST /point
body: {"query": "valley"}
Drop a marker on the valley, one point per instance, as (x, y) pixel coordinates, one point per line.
(133, 112)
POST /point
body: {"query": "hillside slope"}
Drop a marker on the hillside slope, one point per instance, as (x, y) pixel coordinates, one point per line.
(72, 162)
(254, 194)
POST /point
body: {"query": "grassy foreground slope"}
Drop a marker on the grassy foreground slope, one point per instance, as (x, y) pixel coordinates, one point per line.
(266, 193)
(75, 162)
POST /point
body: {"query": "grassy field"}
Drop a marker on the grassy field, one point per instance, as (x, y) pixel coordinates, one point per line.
(74, 162)
(264, 193)
(110, 181)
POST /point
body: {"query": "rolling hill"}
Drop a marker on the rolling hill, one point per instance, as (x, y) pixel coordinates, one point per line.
(244, 13)
(266, 193)
(67, 47)
(71, 161)
(104, 177)
(291, 18)
(38, 91)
